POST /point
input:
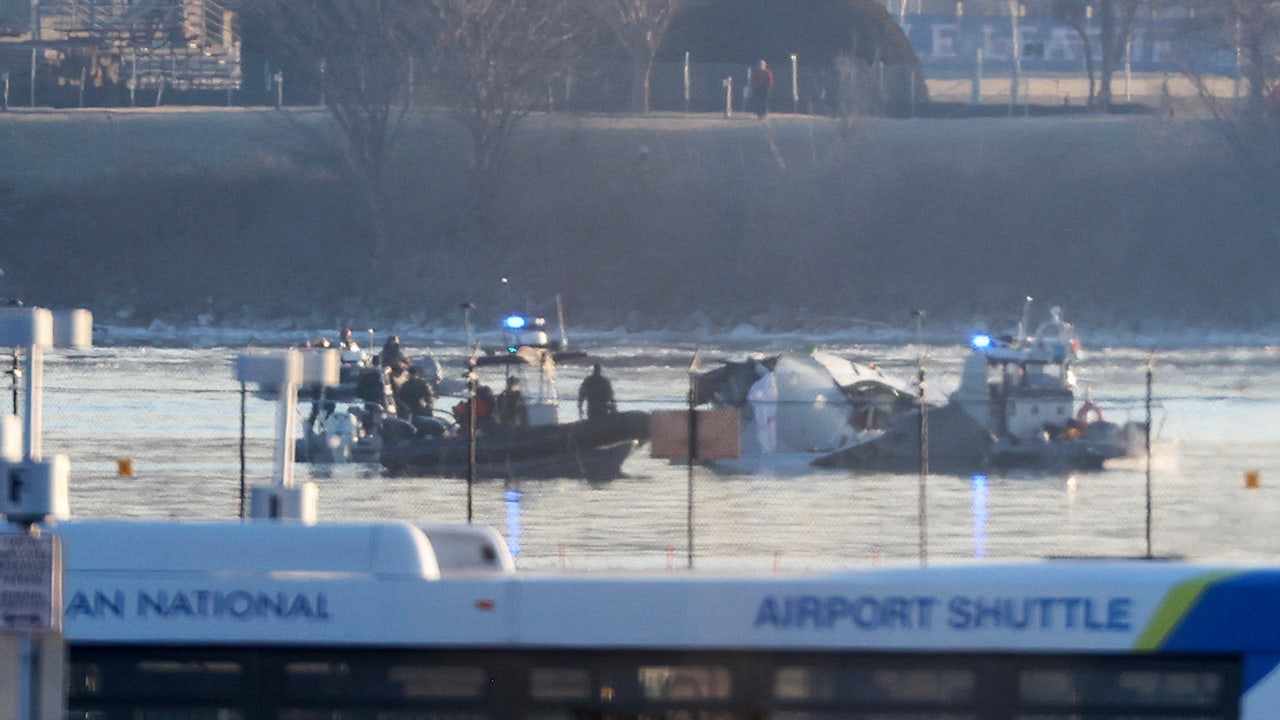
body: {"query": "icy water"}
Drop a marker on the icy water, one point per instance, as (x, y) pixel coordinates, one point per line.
(176, 414)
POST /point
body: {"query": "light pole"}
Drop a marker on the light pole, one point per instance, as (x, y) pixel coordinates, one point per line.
(924, 441)
(467, 307)
(795, 88)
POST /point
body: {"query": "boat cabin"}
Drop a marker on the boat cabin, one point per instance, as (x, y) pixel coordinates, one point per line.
(1022, 386)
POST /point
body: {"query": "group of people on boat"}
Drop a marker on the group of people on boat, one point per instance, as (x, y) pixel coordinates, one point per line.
(389, 383)
(506, 409)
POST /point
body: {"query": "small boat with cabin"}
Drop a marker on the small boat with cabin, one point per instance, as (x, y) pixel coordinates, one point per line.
(1015, 406)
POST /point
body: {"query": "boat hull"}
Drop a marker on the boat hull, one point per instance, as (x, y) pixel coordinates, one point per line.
(960, 446)
(1100, 442)
(956, 444)
(590, 449)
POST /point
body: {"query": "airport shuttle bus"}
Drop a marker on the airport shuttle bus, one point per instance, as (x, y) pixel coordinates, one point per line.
(395, 621)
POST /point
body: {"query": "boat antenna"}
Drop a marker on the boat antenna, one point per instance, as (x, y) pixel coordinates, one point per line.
(1151, 364)
(472, 383)
(564, 339)
(467, 307)
(15, 375)
(1023, 324)
(692, 460)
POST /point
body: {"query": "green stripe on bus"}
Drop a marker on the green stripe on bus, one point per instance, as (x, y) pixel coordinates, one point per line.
(1174, 608)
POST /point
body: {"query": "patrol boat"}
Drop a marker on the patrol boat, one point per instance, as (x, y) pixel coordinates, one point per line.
(1016, 406)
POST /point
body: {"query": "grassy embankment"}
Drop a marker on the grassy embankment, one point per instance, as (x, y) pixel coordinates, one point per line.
(797, 222)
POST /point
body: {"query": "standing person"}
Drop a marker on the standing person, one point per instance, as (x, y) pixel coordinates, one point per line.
(392, 356)
(397, 376)
(485, 401)
(761, 85)
(597, 392)
(415, 398)
(509, 407)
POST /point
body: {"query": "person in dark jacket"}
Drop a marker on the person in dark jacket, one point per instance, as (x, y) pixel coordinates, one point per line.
(392, 356)
(597, 392)
(416, 398)
(761, 86)
(509, 407)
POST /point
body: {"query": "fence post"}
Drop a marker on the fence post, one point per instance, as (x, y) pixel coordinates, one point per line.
(686, 81)
(278, 80)
(976, 99)
(795, 88)
(728, 95)
(4, 103)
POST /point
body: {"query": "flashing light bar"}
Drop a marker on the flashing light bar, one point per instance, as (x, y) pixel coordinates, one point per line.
(514, 322)
(981, 341)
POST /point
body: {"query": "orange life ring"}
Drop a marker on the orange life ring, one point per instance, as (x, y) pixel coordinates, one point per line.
(1082, 415)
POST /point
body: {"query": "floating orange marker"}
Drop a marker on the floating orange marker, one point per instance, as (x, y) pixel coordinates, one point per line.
(1251, 479)
(124, 467)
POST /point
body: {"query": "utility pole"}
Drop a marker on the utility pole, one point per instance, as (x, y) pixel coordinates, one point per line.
(924, 441)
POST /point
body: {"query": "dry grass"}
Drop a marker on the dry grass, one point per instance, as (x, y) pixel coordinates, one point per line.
(790, 223)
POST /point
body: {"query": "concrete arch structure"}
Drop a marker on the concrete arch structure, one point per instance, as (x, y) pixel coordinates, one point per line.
(841, 46)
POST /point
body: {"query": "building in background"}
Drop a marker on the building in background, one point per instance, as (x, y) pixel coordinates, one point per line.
(109, 52)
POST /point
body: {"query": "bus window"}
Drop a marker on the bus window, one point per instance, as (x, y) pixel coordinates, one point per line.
(852, 685)
(559, 683)
(158, 681)
(159, 684)
(1093, 686)
(846, 715)
(372, 680)
(429, 681)
(685, 682)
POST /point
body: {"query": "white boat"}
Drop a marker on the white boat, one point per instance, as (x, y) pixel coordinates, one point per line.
(1023, 389)
(1016, 406)
(344, 421)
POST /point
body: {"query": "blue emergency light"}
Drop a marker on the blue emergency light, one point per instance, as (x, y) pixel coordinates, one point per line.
(514, 322)
(981, 341)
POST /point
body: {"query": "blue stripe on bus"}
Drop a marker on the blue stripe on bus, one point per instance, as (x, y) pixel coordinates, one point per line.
(1237, 614)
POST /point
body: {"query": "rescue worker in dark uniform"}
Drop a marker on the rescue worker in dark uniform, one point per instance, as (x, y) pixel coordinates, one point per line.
(415, 398)
(597, 392)
(509, 407)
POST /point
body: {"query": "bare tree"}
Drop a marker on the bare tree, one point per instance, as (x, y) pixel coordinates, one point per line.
(1252, 29)
(1251, 129)
(493, 62)
(640, 26)
(1076, 13)
(366, 49)
(1115, 32)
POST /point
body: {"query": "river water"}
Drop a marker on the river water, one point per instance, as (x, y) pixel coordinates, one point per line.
(175, 414)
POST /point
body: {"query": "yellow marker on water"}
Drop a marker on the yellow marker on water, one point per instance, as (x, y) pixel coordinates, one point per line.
(1251, 479)
(124, 467)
